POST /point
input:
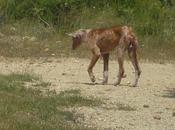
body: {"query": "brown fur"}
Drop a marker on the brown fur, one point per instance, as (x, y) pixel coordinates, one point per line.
(102, 41)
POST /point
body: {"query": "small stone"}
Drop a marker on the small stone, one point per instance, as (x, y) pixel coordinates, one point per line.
(46, 49)
(128, 82)
(26, 38)
(146, 106)
(100, 78)
(76, 61)
(99, 119)
(157, 117)
(1, 34)
(32, 39)
(173, 114)
(131, 124)
(63, 73)
(13, 29)
(167, 108)
(58, 41)
(142, 45)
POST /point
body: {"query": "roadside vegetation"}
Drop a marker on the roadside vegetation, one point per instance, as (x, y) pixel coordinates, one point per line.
(31, 108)
(37, 28)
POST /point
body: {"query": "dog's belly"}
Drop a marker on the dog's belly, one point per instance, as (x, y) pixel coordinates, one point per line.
(107, 46)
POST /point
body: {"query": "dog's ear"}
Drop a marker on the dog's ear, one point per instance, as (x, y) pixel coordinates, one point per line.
(71, 34)
(78, 34)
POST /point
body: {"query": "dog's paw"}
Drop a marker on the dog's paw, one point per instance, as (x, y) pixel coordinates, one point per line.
(92, 78)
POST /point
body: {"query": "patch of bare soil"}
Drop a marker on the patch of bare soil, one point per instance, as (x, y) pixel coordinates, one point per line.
(151, 106)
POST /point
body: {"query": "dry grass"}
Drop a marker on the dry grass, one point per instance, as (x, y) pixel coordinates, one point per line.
(31, 39)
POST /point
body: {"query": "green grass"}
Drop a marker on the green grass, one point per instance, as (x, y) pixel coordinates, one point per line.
(24, 108)
(74, 98)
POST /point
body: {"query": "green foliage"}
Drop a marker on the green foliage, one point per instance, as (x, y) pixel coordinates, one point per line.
(148, 17)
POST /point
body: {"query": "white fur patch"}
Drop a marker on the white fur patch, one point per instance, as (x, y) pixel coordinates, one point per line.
(105, 74)
(130, 46)
(88, 30)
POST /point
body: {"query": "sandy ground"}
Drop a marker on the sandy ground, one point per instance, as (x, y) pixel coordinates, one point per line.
(153, 100)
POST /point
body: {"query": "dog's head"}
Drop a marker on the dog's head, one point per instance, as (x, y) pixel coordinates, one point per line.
(77, 38)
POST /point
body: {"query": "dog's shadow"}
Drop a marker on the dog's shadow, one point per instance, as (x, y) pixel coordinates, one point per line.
(92, 84)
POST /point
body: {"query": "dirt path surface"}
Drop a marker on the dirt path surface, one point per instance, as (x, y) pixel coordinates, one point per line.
(151, 106)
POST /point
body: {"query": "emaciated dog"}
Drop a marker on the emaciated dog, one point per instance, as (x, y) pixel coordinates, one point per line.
(102, 41)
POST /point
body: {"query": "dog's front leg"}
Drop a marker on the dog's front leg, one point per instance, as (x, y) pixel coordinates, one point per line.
(96, 55)
(105, 68)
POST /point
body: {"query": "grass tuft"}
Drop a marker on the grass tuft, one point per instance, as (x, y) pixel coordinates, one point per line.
(121, 107)
(125, 107)
(72, 98)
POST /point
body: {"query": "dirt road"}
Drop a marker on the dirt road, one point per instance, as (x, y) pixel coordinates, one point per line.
(151, 106)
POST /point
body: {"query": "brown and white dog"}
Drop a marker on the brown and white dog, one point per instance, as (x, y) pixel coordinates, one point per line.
(102, 41)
